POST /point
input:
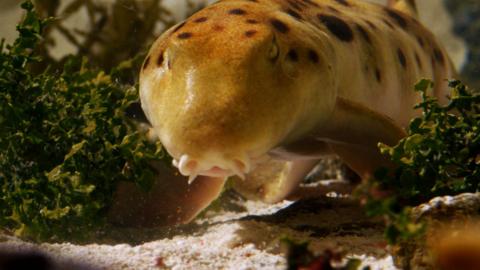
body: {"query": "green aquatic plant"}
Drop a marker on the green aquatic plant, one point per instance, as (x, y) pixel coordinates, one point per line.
(109, 32)
(114, 30)
(440, 156)
(65, 142)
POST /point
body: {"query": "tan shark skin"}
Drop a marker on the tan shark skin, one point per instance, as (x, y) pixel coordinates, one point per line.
(294, 80)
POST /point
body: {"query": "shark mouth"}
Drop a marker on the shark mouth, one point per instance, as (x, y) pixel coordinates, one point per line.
(192, 168)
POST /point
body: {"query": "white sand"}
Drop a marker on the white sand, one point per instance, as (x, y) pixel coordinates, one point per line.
(236, 239)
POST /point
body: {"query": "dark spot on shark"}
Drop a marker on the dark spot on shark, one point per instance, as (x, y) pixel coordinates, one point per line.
(311, 3)
(389, 24)
(251, 21)
(295, 5)
(337, 27)
(279, 26)
(185, 35)
(218, 28)
(300, 3)
(250, 33)
(402, 58)
(378, 75)
(293, 55)
(237, 11)
(364, 33)
(200, 20)
(397, 17)
(372, 25)
(420, 41)
(294, 14)
(439, 56)
(313, 56)
(343, 2)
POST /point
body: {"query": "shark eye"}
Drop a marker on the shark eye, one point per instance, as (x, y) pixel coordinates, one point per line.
(161, 59)
(274, 51)
(164, 60)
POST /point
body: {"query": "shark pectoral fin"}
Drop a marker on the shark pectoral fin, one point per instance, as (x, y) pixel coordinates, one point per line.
(353, 123)
(273, 180)
(354, 132)
(198, 195)
(171, 200)
(363, 160)
(406, 6)
(308, 147)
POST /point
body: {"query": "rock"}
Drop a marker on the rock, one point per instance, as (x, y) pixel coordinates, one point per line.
(448, 207)
(442, 215)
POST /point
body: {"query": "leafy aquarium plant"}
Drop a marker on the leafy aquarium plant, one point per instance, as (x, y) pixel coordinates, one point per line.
(440, 156)
(65, 141)
(117, 30)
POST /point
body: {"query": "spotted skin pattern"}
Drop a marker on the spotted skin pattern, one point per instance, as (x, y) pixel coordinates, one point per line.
(242, 78)
(391, 44)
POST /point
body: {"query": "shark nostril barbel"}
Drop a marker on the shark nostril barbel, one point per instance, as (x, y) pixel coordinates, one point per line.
(192, 178)
(186, 165)
(241, 167)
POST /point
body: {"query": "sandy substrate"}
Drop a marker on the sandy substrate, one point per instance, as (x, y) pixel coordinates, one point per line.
(237, 235)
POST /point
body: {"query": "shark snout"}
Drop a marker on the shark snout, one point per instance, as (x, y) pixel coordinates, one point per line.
(213, 166)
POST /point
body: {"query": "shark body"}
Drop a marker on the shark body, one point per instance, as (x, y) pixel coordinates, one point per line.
(244, 86)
